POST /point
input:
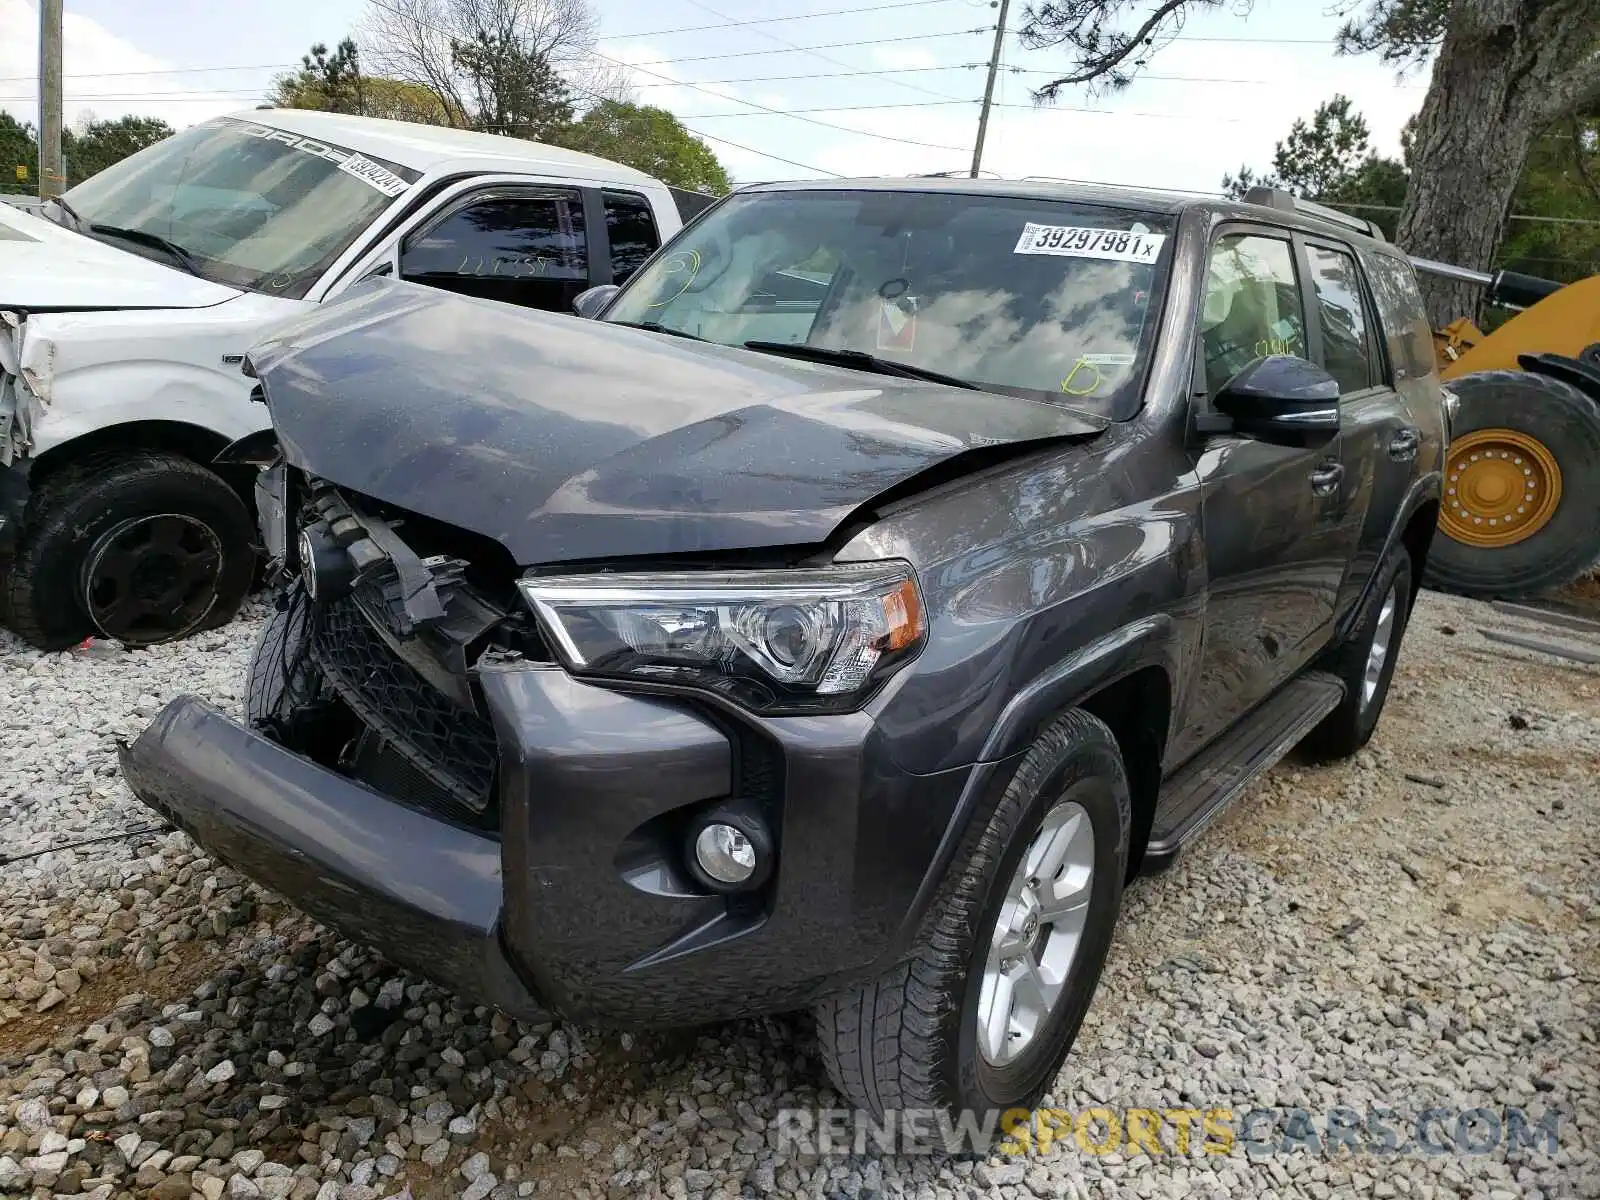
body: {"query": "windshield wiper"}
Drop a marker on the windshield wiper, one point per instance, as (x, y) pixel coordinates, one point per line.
(171, 249)
(69, 210)
(658, 327)
(861, 361)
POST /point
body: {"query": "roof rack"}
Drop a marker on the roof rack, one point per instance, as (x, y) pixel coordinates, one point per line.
(1270, 197)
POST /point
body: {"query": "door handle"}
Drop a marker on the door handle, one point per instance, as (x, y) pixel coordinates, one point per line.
(1403, 445)
(1325, 479)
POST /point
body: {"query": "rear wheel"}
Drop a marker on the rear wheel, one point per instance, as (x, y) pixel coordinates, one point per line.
(983, 1012)
(1366, 662)
(1520, 482)
(142, 547)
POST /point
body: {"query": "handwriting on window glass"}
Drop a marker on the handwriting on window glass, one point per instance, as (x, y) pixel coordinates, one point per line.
(508, 266)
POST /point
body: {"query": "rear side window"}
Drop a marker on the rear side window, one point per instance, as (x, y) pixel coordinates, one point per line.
(1252, 305)
(1405, 321)
(527, 249)
(632, 230)
(1346, 342)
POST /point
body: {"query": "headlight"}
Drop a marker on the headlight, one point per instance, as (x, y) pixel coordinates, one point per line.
(786, 641)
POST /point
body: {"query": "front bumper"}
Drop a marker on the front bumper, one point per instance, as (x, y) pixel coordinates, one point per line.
(424, 894)
(578, 906)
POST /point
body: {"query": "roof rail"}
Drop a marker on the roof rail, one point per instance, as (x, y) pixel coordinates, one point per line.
(1271, 197)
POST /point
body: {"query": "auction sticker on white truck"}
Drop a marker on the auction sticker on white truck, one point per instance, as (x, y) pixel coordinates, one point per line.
(1077, 241)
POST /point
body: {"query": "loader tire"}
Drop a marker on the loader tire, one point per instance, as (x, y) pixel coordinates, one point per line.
(1518, 426)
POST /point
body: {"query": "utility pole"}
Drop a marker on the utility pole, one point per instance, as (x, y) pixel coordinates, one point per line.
(988, 88)
(52, 176)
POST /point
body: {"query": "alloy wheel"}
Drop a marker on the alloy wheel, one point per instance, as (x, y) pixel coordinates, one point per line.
(1036, 937)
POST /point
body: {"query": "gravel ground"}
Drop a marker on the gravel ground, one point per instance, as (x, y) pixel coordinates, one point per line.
(1417, 928)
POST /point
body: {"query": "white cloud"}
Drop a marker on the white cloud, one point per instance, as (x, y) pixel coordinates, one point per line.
(98, 67)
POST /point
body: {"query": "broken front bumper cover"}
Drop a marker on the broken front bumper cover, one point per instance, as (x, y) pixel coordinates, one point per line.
(577, 908)
(425, 894)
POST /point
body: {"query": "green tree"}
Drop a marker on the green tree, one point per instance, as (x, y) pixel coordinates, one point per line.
(398, 100)
(651, 140)
(1331, 160)
(101, 143)
(1502, 70)
(1561, 181)
(512, 89)
(335, 82)
(19, 147)
(329, 82)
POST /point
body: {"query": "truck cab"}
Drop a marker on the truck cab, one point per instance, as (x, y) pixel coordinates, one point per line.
(126, 308)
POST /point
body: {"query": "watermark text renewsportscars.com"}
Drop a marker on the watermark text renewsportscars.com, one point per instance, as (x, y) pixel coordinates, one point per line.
(1158, 1132)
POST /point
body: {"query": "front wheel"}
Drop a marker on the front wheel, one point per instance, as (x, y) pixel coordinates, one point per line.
(983, 1012)
(142, 547)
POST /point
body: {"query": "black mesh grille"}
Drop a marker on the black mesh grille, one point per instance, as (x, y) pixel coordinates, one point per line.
(447, 746)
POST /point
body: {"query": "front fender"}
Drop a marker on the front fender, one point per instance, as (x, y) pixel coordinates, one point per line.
(86, 371)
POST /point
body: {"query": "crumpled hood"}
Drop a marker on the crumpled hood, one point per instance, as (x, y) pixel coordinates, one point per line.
(44, 267)
(567, 439)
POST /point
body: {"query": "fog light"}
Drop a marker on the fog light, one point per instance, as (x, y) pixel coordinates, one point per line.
(728, 847)
(724, 853)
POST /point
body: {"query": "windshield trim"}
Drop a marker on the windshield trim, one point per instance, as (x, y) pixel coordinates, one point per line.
(1135, 392)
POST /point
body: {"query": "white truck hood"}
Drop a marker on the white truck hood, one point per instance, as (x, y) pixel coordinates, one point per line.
(43, 266)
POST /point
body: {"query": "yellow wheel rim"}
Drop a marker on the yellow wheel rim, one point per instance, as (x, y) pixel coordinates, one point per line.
(1501, 487)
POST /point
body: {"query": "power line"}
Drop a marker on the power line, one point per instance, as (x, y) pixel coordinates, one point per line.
(166, 71)
(730, 23)
(827, 58)
(909, 37)
(789, 112)
(597, 96)
(1046, 110)
(1142, 77)
(764, 108)
(824, 75)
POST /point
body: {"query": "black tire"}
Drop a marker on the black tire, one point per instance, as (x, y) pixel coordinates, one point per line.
(1349, 727)
(74, 510)
(281, 678)
(1567, 421)
(908, 1039)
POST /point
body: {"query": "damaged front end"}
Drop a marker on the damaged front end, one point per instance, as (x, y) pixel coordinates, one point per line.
(24, 384)
(393, 636)
(19, 406)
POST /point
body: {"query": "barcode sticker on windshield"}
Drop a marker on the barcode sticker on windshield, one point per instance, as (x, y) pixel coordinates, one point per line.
(370, 173)
(1075, 241)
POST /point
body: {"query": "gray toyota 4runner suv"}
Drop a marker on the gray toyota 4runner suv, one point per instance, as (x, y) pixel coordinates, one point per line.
(886, 574)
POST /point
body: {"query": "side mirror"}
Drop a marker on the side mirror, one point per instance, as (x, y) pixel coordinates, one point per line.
(1282, 399)
(589, 303)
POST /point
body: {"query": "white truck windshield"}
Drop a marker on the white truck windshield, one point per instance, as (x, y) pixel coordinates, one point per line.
(239, 203)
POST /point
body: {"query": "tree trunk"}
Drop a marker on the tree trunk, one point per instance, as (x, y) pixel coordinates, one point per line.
(1495, 83)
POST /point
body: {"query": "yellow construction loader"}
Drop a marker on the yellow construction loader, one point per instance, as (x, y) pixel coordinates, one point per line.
(1521, 510)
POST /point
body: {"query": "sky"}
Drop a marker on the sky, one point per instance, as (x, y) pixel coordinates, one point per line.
(891, 89)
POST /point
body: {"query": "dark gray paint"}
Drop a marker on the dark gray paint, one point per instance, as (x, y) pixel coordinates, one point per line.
(565, 439)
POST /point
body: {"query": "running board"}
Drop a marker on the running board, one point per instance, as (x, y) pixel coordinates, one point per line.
(1198, 793)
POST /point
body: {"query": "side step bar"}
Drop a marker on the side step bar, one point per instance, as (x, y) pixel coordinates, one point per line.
(1195, 796)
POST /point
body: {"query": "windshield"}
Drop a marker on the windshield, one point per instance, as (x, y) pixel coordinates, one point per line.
(251, 206)
(1041, 298)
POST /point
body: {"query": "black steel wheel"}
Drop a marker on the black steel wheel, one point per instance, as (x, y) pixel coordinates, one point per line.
(143, 547)
(152, 578)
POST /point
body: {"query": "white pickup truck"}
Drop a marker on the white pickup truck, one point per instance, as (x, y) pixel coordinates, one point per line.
(126, 309)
